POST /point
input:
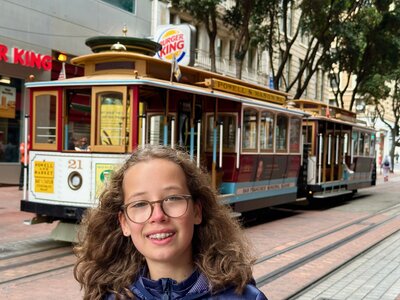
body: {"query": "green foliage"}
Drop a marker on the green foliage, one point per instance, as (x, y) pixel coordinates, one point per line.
(199, 9)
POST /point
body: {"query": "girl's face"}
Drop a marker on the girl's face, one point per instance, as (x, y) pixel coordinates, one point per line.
(161, 239)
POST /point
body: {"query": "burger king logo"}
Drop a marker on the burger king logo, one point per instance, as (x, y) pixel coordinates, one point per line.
(172, 42)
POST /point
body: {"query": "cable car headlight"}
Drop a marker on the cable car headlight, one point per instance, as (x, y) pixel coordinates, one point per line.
(75, 180)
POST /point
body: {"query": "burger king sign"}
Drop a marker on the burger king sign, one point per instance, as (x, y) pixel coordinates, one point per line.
(176, 40)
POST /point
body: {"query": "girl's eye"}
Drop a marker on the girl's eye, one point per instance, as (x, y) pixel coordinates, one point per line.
(174, 198)
(139, 204)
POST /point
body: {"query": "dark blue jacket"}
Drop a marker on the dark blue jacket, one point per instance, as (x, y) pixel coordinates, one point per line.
(195, 287)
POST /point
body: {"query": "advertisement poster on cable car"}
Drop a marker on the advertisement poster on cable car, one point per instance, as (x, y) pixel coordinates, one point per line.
(103, 173)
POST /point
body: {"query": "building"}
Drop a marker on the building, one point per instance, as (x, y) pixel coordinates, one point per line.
(257, 66)
(32, 35)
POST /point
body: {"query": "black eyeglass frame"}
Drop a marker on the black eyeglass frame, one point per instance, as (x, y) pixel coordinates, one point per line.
(152, 203)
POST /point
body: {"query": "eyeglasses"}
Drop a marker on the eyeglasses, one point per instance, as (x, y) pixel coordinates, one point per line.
(140, 211)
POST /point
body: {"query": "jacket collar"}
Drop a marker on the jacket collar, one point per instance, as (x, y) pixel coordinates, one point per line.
(195, 286)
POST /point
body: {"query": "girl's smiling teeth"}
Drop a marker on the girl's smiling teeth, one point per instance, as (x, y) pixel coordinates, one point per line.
(160, 236)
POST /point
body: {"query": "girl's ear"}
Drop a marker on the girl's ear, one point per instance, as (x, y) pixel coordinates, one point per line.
(124, 225)
(198, 213)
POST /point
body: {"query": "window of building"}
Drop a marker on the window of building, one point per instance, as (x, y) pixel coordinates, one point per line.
(281, 81)
(307, 72)
(317, 91)
(10, 116)
(322, 86)
(303, 36)
(172, 17)
(290, 14)
(128, 5)
(301, 62)
(218, 48)
(250, 58)
(231, 49)
(288, 68)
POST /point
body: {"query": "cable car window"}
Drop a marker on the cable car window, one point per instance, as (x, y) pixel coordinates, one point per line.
(210, 132)
(307, 134)
(229, 134)
(281, 133)
(229, 131)
(156, 130)
(111, 119)
(372, 147)
(295, 129)
(355, 142)
(267, 128)
(367, 144)
(108, 119)
(77, 118)
(361, 138)
(250, 120)
(45, 120)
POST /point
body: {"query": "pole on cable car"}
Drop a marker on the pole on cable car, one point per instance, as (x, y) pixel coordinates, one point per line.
(166, 120)
(198, 142)
(192, 117)
(25, 156)
(214, 161)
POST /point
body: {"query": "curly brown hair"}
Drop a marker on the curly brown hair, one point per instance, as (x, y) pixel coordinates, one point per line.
(108, 262)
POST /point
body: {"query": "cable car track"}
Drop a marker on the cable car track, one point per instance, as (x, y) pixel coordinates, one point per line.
(308, 251)
(16, 266)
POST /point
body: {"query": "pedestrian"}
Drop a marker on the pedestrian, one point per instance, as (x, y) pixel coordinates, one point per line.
(83, 145)
(386, 166)
(397, 157)
(22, 161)
(164, 238)
(72, 143)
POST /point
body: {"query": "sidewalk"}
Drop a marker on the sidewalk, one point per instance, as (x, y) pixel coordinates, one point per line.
(395, 174)
(374, 275)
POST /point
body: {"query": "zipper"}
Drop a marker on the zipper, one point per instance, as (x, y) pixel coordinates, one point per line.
(166, 284)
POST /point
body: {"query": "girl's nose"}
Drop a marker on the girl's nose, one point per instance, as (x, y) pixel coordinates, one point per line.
(158, 214)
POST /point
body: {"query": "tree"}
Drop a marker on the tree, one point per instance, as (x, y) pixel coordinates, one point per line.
(394, 100)
(321, 21)
(205, 12)
(318, 25)
(367, 47)
(238, 17)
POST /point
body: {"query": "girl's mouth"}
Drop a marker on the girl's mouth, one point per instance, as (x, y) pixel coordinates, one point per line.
(160, 236)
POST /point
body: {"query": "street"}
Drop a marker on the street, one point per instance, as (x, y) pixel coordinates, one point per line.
(33, 266)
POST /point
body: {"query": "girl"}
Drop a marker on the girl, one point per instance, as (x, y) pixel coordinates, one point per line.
(159, 233)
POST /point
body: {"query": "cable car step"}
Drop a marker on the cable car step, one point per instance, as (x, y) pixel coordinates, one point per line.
(331, 194)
